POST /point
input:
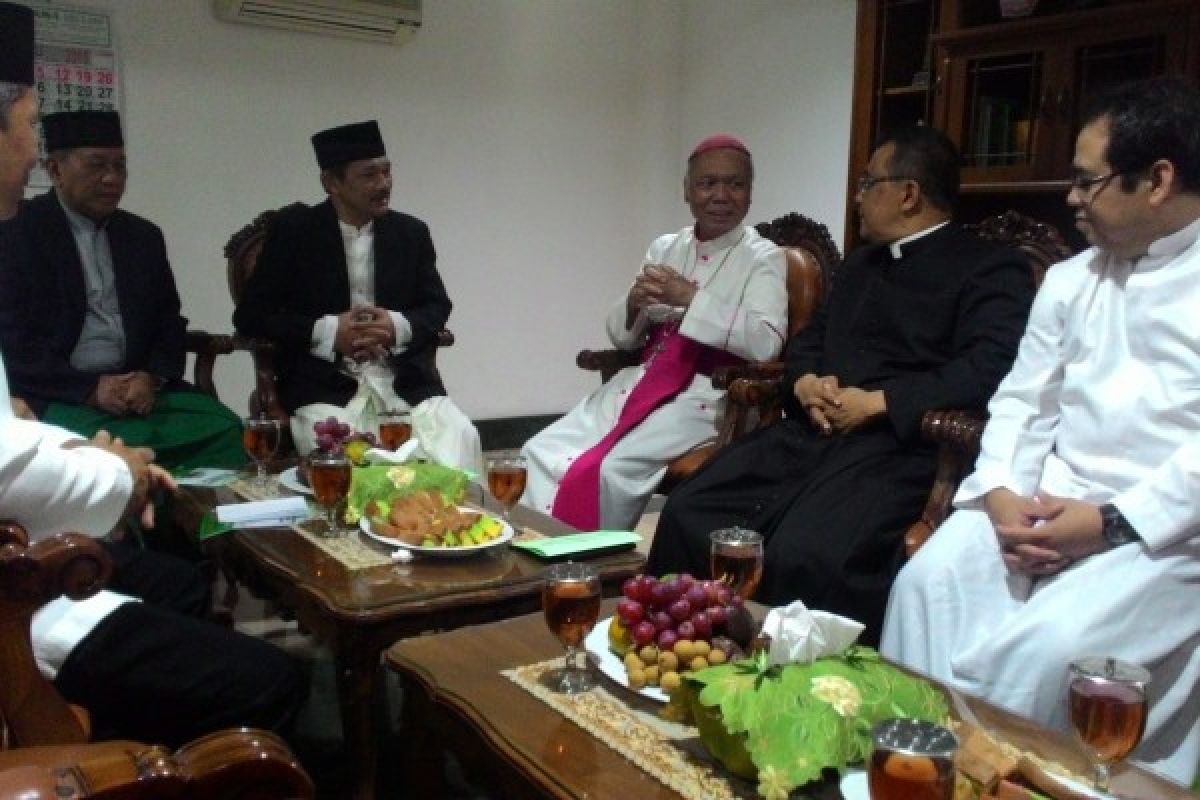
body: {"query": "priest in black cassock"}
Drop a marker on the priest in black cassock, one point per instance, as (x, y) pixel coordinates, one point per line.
(924, 317)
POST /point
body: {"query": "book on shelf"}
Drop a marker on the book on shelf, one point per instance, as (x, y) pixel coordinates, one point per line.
(991, 142)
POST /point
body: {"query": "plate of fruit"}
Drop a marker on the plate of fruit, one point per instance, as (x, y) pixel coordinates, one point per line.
(667, 627)
(423, 522)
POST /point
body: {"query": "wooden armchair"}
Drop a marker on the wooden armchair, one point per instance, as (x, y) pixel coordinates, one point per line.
(44, 752)
(812, 259)
(241, 259)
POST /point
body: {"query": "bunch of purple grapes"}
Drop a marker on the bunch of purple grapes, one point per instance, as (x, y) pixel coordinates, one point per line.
(333, 436)
(661, 612)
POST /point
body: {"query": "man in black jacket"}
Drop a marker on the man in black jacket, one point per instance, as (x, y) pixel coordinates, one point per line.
(89, 315)
(925, 317)
(350, 292)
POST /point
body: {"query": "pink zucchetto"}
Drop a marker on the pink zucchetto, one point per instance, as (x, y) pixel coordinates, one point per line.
(719, 141)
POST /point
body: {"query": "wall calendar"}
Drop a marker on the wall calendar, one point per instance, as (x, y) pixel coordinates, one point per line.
(75, 65)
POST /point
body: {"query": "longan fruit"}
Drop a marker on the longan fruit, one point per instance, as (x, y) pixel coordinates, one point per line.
(651, 673)
(649, 654)
(701, 648)
(683, 649)
(698, 663)
(670, 681)
(717, 656)
(668, 662)
(637, 678)
(632, 662)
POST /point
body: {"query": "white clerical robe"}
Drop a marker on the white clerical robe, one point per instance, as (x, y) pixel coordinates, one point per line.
(445, 434)
(1102, 405)
(52, 490)
(740, 307)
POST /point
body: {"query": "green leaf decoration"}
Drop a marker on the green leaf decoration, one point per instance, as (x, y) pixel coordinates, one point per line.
(375, 483)
(783, 726)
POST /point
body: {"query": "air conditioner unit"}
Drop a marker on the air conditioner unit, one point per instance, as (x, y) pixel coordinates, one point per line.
(390, 21)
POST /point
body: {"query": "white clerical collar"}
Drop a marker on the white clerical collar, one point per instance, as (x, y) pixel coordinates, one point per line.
(1170, 246)
(896, 246)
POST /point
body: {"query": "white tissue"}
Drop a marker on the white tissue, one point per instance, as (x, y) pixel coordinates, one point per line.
(800, 636)
(400, 455)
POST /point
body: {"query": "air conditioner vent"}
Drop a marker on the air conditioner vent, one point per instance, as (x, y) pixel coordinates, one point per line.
(391, 21)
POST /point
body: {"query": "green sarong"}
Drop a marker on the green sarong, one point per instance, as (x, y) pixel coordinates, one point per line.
(186, 429)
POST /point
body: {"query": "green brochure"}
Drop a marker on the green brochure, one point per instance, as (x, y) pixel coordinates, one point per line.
(554, 548)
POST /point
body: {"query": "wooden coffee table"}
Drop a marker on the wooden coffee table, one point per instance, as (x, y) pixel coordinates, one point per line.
(517, 746)
(360, 613)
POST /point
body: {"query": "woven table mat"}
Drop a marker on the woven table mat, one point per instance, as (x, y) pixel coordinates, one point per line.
(352, 550)
(670, 752)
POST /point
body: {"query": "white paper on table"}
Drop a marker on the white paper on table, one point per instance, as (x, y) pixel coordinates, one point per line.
(280, 511)
(207, 476)
(800, 636)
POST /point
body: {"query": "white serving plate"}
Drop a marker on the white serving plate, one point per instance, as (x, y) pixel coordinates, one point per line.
(506, 533)
(290, 479)
(607, 662)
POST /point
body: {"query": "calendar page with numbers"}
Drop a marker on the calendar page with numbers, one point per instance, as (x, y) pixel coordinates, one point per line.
(75, 65)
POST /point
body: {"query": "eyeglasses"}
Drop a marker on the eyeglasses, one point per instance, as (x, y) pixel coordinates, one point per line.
(865, 182)
(1085, 185)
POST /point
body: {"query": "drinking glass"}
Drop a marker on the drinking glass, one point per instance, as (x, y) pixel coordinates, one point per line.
(911, 759)
(329, 474)
(395, 428)
(506, 481)
(571, 602)
(260, 438)
(1107, 702)
(736, 559)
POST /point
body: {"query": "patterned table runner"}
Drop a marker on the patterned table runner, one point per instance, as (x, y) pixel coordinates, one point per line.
(670, 752)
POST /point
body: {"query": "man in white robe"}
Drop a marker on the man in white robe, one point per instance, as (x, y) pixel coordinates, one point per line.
(716, 285)
(1079, 532)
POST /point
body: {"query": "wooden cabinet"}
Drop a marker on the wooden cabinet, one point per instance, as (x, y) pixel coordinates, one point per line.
(1008, 91)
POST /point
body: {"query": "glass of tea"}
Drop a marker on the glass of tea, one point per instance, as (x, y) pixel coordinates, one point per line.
(260, 438)
(1107, 703)
(911, 759)
(329, 474)
(736, 559)
(571, 603)
(506, 480)
(395, 428)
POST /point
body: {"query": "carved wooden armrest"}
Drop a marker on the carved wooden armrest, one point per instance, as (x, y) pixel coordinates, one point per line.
(606, 362)
(957, 435)
(724, 377)
(753, 392)
(32, 575)
(207, 346)
(234, 763)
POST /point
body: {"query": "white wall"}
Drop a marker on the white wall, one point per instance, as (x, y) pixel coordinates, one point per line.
(541, 140)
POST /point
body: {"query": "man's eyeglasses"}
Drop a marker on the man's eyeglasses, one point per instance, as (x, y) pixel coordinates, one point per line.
(1086, 184)
(865, 182)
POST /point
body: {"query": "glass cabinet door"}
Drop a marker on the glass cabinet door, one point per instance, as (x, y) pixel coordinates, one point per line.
(992, 104)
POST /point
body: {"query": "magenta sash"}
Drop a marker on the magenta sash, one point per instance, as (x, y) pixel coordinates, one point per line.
(672, 361)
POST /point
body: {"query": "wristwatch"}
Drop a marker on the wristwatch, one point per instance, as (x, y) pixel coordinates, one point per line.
(1115, 529)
